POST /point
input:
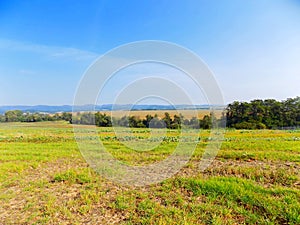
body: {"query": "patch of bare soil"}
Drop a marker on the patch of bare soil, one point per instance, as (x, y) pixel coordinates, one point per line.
(27, 203)
(35, 198)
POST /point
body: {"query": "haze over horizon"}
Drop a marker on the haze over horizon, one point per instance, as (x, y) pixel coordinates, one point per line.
(252, 47)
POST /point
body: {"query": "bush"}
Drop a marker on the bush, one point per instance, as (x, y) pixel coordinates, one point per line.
(250, 125)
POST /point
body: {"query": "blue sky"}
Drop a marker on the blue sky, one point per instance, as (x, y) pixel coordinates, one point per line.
(253, 47)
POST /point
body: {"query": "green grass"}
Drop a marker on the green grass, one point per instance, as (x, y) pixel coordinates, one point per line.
(255, 179)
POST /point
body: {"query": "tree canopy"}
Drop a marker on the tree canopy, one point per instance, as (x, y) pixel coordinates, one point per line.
(259, 114)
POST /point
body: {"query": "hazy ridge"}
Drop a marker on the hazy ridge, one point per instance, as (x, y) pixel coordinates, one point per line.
(106, 107)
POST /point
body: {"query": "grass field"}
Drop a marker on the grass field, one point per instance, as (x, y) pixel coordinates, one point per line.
(255, 179)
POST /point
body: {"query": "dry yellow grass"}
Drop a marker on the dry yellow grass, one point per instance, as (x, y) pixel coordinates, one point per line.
(188, 114)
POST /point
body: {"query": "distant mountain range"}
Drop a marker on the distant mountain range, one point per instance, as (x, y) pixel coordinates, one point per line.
(107, 107)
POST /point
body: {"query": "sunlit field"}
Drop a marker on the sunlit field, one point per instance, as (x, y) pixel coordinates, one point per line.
(255, 179)
(188, 114)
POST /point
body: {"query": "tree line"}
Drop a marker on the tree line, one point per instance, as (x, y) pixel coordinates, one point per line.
(20, 116)
(256, 114)
(175, 122)
(261, 114)
(104, 120)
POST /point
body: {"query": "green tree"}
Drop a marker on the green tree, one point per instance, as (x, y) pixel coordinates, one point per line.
(13, 116)
(206, 122)
(87, 118)
(167, 119)
(147, 120)
(102, 120)
(176, 123)
(67, 117)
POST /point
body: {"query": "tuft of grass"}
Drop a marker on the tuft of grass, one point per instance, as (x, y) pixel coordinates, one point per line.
(249, 199)
(74, 176)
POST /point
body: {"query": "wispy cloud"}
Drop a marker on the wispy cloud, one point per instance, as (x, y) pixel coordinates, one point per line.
(54, 52)
(27, 72)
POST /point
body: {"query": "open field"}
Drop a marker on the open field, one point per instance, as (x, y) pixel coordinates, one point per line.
(255, 179)
(188, 114)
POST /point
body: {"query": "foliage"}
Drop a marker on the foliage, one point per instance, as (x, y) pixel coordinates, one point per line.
(103, 120)
(260, 114)
(19, 116)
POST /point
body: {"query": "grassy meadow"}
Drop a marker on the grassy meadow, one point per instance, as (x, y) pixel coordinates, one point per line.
(255, 179)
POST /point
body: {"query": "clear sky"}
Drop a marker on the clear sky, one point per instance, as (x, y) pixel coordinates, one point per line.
(252, 46)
